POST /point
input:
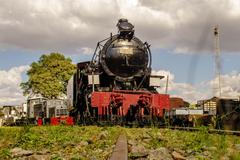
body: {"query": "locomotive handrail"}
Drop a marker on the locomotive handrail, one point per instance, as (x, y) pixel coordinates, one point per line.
(149, 65)
(98, 44)
(150, 54)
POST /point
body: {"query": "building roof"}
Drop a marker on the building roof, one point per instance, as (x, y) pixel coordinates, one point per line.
(39, 96)
(35, 96)
(217, 99)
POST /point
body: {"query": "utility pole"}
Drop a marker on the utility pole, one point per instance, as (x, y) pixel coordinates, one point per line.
(217, 59)
(166, 89)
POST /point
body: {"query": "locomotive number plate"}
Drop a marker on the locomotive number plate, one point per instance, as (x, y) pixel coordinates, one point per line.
(126, 51)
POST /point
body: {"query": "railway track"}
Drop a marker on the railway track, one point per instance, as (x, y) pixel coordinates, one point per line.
(217, 131)
(120, 151)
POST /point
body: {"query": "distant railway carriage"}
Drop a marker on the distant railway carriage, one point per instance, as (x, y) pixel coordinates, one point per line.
(225, 112)
(39, 107)
(35, 105)
(228, 114)
(221, 113)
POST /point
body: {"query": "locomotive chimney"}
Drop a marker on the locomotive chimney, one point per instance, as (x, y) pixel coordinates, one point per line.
(125, 29)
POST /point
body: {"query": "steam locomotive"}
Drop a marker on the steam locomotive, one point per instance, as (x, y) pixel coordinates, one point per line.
(116, 86)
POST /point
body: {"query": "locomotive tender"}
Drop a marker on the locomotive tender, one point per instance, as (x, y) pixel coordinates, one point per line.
(117, 85)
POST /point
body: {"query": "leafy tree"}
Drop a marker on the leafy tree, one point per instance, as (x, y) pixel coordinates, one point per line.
(49, 76)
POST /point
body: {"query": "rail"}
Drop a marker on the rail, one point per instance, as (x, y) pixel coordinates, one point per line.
(120, 151)
(218, 131)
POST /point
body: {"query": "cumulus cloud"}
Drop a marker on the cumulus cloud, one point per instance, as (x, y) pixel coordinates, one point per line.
(76, 25)
(87, 51)
(230, 87)
(10, 91)
(190, 93)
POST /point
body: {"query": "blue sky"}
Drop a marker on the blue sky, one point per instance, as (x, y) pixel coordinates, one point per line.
(180, 34)
(178, 64)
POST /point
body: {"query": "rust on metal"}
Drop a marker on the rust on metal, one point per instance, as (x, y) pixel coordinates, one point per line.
(120, 151)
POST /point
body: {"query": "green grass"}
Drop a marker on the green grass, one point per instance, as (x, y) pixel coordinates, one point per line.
(92, 142)
(61, 141)
(196, 142)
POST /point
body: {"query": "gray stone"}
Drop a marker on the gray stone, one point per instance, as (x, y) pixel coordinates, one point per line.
(138, 156)
(138, 149)
(43, 152)
(190, 152)
(237, 146)
(71, 144)
(182, 152)
(159, 135)
(38, 157)
(146, 141)
(177, 156)
(83, 143)
(211, 148)
(191, 158)
(103, 135)
(160, 154)
(203, 155)
(206, 153)
(99, 150)
(146, 136)
(19, 152)
(137, 152)
(131, 142)
(225, 158)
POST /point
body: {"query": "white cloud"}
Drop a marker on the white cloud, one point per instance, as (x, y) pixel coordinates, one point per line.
(67, 25)
(86, 50)
(164, 80)
(10, 91)
(181, 50)
(235, 7)
(11, 94)
(175, 89)
(75, 26)
(230, 87)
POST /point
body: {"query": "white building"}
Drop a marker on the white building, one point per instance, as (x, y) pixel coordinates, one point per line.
(35, 105)
(55, 108)
(39, 106)
(10, 115)
(1, 117)
(70, 92)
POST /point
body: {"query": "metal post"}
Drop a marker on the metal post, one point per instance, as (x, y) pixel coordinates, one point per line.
(217, 59)
(166, 91)
(93, 89)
